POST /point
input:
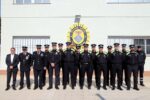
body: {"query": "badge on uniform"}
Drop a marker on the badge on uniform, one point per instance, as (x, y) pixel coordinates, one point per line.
(42, 55)
(27, 57)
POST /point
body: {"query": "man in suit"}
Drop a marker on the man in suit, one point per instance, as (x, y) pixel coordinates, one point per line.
(12, 61)
(38, 67)
(25, 59)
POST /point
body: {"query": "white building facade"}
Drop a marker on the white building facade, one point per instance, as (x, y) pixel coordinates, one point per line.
(31, 22)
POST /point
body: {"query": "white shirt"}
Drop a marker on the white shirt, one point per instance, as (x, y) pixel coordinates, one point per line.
(12, 57)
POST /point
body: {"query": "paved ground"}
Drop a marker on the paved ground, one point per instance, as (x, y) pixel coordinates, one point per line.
(77, 94)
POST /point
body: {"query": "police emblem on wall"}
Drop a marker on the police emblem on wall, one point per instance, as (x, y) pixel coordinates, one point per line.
(78, 34)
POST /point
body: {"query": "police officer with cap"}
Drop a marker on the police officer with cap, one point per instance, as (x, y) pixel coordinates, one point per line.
(86, 63)
(46, 54)
(54, 60)
(60, 52)
(141, 60)
(109, 65)
(101, 60)
(93, 54)
(69, 62)
(77, 62)
(124, 64)
(25, 59)
(132, 61)
(116, 59)
(38, 67)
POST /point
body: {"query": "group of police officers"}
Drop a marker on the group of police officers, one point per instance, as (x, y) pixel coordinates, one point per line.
(73, 62)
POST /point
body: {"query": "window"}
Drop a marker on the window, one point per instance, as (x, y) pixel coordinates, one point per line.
(142, 41)
(30, 42)
(31, 1)
(127, 1)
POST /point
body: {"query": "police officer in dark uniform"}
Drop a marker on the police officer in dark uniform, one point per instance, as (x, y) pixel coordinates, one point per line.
(124, 64)
(77, 62)
(38, 67)
(46, 55)
(116, 59)
(25, 59)
(141, 60)
(132, 66)
(109, 65)
(60, 52)
(69, 63)
(93, 54)
(86, 63)
(54, 66)
(101, 60)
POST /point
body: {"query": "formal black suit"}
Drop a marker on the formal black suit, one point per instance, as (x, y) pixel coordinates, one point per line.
(13, 71)
(25, 64)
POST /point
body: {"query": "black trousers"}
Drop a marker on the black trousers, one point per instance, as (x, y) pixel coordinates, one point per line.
(132, 69)
(38, 75)
(141, 72)
(85, 68)
(124, 73)
(68, 70)
(10, 73)
(116, 70)
(57, 74)
(101, 68)
(109, 74)
(27, 74)
(76, 71)
(44, 75)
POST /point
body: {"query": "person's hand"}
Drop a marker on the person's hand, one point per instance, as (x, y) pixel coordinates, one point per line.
(52, 64)
(11, 67)
(44, 68)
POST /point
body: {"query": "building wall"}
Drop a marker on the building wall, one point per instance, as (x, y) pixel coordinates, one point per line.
(54, 20)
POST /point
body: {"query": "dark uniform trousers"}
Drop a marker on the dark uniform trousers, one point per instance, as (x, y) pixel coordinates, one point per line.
(109, 73)
(134, 69)
(85, 68)
(46, 54)
(116, 70)
(141, 72)
(27, 74)
(38, 74)
(101, 68)
(124, 73)
(69, 69)
(57, 71)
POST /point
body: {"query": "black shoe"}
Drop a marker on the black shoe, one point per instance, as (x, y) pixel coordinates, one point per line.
(98, 88)
(119, 88)
(89, 87)
(28, 87)
(21, 87)
(81, 87)
(35, 88)
(142, 84)
(113, 88)
(56, 87)
(72, 87)
(104, 87)
(136, 88)
(128, 88)
(64, 87)
(50, 87)
(7, 88)
(14, 88)
(41, 88)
